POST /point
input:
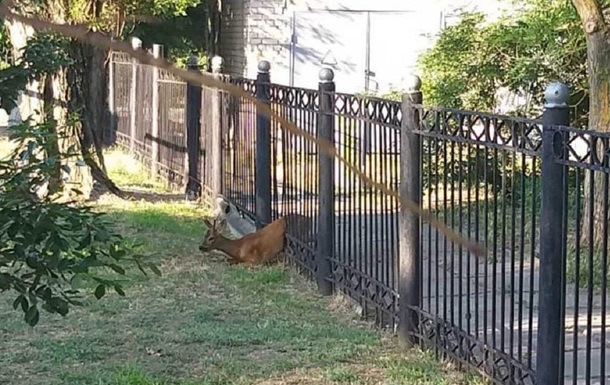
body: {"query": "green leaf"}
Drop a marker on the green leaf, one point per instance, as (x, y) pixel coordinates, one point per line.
(48, 308)
(32, 316)
(100, 291)
(5, 281)
(19, 302)
(140, 267)
(64, 264)
(117, 268)
(31, 261)
(117, 252)
(24, 304)
(119, 290)
(79, 281)
(59, 305)
(154, 269)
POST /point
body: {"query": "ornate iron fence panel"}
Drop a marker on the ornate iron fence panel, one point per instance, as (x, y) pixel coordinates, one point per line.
(481, 177)
(295, 165)
(366, 232)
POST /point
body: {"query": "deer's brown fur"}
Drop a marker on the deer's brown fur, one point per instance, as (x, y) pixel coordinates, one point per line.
(256, 248)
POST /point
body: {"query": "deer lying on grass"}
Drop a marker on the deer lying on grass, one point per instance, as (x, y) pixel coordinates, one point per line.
(256, 248)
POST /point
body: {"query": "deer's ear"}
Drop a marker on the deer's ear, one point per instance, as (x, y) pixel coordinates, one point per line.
(221, 223)
(207, 223)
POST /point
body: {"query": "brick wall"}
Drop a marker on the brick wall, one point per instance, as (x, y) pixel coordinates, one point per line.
(253, 30)
(268, 37)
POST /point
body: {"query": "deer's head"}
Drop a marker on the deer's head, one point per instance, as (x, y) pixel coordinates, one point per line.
(211, 235)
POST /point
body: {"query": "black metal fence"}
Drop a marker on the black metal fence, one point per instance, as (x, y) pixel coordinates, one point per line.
(534, 193)
(480, 174)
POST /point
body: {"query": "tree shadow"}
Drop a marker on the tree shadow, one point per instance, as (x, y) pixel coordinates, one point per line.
(131, 194)
(330, 40)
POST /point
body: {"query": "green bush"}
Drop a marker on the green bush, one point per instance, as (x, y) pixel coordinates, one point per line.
(522, 52)
(50, 249)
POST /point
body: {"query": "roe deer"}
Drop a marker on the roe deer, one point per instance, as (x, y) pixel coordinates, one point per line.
(255, 248)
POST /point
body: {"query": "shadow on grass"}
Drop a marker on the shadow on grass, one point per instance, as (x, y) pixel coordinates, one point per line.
(202, 322)
(141, 195)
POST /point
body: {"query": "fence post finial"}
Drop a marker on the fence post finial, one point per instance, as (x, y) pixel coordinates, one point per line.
(157, 51)
(217, 63)
(136, 42)
(326, 75)
(549, 360)
(326, 183)
(264, 67)
(413, 83)
(556, 95)
(193, 61)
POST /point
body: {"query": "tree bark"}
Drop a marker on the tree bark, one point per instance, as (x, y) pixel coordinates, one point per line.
(214, 12)
(28, 102)
(79, 89)
(57, 96)
(87, 82)
(598, 67)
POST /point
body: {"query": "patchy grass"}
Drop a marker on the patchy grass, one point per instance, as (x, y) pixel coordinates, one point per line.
(202, 322)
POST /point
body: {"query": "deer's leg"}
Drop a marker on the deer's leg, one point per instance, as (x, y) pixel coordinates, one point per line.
(232, 261)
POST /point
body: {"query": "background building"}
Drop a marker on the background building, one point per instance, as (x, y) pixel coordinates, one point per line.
(371, 45)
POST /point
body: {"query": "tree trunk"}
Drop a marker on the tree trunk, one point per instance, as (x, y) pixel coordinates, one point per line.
(599, 120)
(598, 66)
(28, 102)
(79, 89)
(214, 11)
(58, 96)
(87, 81)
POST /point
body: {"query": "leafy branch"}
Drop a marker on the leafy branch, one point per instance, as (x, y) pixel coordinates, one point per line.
(50, 249)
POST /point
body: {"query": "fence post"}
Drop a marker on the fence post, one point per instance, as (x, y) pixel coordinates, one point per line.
(262, 174)
(550, 350)
(135, 44)
(217, 129)
(110, 132)
(326, 183)
(154, 129)
(193, 131)
(409, 257)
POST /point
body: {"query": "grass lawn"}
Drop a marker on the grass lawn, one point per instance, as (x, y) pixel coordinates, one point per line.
(202, 322)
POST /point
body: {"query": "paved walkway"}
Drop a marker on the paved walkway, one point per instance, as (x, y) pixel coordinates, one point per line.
(496, 302)
(504, 311)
